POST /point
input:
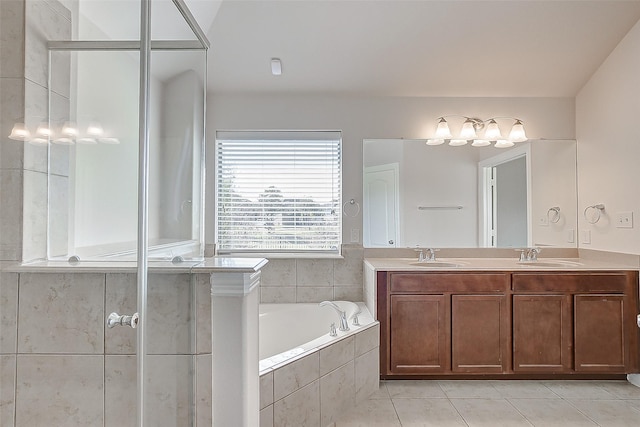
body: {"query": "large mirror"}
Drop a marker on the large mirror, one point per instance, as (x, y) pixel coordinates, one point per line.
(461, 197)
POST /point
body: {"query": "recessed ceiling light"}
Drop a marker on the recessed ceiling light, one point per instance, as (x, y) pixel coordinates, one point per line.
(276, 66)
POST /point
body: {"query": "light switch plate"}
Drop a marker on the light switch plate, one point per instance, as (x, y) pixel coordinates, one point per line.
(585, 236)
(624, 219)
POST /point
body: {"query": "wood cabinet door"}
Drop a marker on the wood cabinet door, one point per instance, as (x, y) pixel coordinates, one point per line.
(480, 330)
(599, 333)
(542, 338)
(418, 334)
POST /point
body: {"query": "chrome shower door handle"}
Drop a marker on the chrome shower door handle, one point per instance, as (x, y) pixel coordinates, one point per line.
(116, 319)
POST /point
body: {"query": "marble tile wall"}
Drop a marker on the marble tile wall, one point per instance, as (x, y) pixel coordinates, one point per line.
(314, 280)
(61, 365)
(317, 388)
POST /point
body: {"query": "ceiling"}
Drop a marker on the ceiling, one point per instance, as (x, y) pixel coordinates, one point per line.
(517, 48)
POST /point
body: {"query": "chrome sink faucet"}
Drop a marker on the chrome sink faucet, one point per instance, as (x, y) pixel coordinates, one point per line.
(344, 325)
(426, 254)
(529, 254)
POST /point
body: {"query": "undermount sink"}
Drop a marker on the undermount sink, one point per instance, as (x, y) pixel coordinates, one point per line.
(436, 264)
(550, 263)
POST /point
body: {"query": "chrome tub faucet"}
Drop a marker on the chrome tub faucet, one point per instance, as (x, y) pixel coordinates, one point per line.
(344, 325)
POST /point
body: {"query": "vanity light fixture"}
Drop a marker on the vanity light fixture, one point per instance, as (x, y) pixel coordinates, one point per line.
(19, 132)
(470, 129)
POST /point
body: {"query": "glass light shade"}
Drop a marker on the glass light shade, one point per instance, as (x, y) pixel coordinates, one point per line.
(503, 143)
(442, 131)
(109, 140)
(493, 131)
(480, 143)
(517, 133)
(457, 142)
(19, 132)
(468, 131)
(69, 129)
(86, 140)
(63, 141)
(44, 130)
(95, 129)
(435, 141)
(38, 140)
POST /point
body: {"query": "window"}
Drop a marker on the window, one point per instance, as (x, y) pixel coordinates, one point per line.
(278, 191)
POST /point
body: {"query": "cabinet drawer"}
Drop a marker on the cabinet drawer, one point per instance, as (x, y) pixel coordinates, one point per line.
(419, 283)
(569, 282)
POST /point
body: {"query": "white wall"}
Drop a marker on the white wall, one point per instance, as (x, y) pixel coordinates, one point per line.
(607, 110)
(368, 117)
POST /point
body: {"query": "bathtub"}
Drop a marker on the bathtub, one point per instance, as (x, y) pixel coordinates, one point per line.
(289, 331)
(303, 367)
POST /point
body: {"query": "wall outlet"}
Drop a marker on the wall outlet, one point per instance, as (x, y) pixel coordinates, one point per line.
(624, 219)
(355, 235)
(585, 236)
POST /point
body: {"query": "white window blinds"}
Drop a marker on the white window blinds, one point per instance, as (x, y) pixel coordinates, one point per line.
(278, 191)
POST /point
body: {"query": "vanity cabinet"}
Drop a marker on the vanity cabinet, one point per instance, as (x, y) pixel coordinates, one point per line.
(531, 324)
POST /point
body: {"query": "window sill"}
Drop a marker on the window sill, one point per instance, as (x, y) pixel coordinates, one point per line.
(282, 255)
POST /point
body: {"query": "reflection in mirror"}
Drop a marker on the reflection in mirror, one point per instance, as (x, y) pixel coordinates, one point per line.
(436, 196)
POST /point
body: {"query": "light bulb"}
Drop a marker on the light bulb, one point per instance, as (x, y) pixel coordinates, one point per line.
(517, 133)
(69, 129)
(457, 142)
(38, 140)
(95, 129)
(19, 132)
(493, 131)
(44, 130)
(468, 131)
(503, 143)
(480, 143)
(442, 131)
(63, 141)
(435, 141)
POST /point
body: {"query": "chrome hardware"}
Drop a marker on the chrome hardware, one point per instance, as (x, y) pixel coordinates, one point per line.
(116, 319)
(344, 325)
(638, 320)
(354, 317)
(529, 254)
(177, 259)
(426, 254)
(332, 330)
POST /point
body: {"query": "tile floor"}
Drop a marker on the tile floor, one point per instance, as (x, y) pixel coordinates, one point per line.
(498, 403)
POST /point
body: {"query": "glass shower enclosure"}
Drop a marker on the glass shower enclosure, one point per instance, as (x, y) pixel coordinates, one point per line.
(126, 113)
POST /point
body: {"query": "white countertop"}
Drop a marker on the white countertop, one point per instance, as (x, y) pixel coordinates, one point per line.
(208, 265)
(493, 264)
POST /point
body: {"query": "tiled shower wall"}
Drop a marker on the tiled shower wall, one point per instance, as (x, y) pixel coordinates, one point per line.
(314, 280)
(60, 365)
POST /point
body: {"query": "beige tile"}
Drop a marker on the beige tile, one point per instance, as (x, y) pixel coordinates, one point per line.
(348, 293)
(348, 271)
(61, 313)
(11, 214)
(169, 389)
(277, 295)
(367, 375)
(489, 412)
(314, 272)
(525, 389)
(550, 412)
(469, 389)
(337, 393)
(301, 408)
(120, 376)
(11, 111)
(11, 38)
(36, 100)
(266, 416)
(9, 312)
(313, 294)
(121, 298)
(382, 392)
(61, 72)
(279, 272)
(427, 412)
(293, 376)
(203, 390)
(58, 215)
(414, 389)
(621, 389)
(59, 390)
(34, 221)
(7, 389)
(368, 339)
(336, 355)
(370, 413)
(169, 313)
(203, 313)
(614, 413)
(266, 390)
(578, 389)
